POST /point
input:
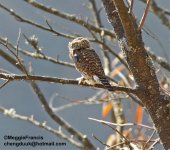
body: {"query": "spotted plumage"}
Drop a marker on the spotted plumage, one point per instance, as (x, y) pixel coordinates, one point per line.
(87, 62)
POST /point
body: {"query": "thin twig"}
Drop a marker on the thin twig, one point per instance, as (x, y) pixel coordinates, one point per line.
(156, 142)
(131, 6)
(100, 141)
(37, 56)
(17, 46)
(93, 100)
(160, 60)
(160, 13)
(70, 17)
(18, 59)
(124, 124)
(12, 114)
(5, 83)
(149, 139)
(127, 141)
(114, 146)
(33, 41)
(141, 24)
(25, 20)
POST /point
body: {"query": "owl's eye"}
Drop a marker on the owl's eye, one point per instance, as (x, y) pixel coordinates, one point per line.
(76, 58)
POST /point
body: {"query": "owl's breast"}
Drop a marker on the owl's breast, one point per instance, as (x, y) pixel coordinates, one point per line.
(87, 62)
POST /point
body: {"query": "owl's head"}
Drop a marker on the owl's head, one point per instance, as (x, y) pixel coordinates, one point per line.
(79, 43)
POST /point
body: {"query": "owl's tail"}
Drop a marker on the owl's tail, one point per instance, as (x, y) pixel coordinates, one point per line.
(105, 82)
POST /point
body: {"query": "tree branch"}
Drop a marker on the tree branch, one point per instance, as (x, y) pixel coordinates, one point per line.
(160, 13)
(36, 55)
(25, 20)
(82, 138)
(141, 24)
(141, 66)
(70, 17)
(160, 60)
(12, 114)
(13, 77)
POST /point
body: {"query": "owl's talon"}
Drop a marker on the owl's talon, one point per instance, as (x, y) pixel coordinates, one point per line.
(80, 80)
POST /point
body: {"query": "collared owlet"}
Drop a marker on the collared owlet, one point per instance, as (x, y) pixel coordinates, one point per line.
(87, 62)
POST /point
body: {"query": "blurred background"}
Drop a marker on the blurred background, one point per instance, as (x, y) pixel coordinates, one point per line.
(19, 95)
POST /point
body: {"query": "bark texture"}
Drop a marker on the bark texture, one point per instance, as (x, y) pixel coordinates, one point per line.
(141, 66)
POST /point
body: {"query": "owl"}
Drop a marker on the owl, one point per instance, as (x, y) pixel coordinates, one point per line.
(87, 62)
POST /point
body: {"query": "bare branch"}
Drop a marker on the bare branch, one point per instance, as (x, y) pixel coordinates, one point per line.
(160, 13)
(90, 101)
(12, 77)
(156, 142)
(100, 141)
(149, 139)
(114, 146)
(69, 17)
(50, 29)
(127, 142)
(161, 61)
(141, 66)
(144, 88)
(19, 36)
(141, 24)
(124, 124)
(131, 6)
(5, 83)
(19, 62)
(12, 114)
(25, 20)
(37, 56)
(82, 138)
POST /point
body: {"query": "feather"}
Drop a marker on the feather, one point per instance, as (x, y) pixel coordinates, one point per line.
(105, 82)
